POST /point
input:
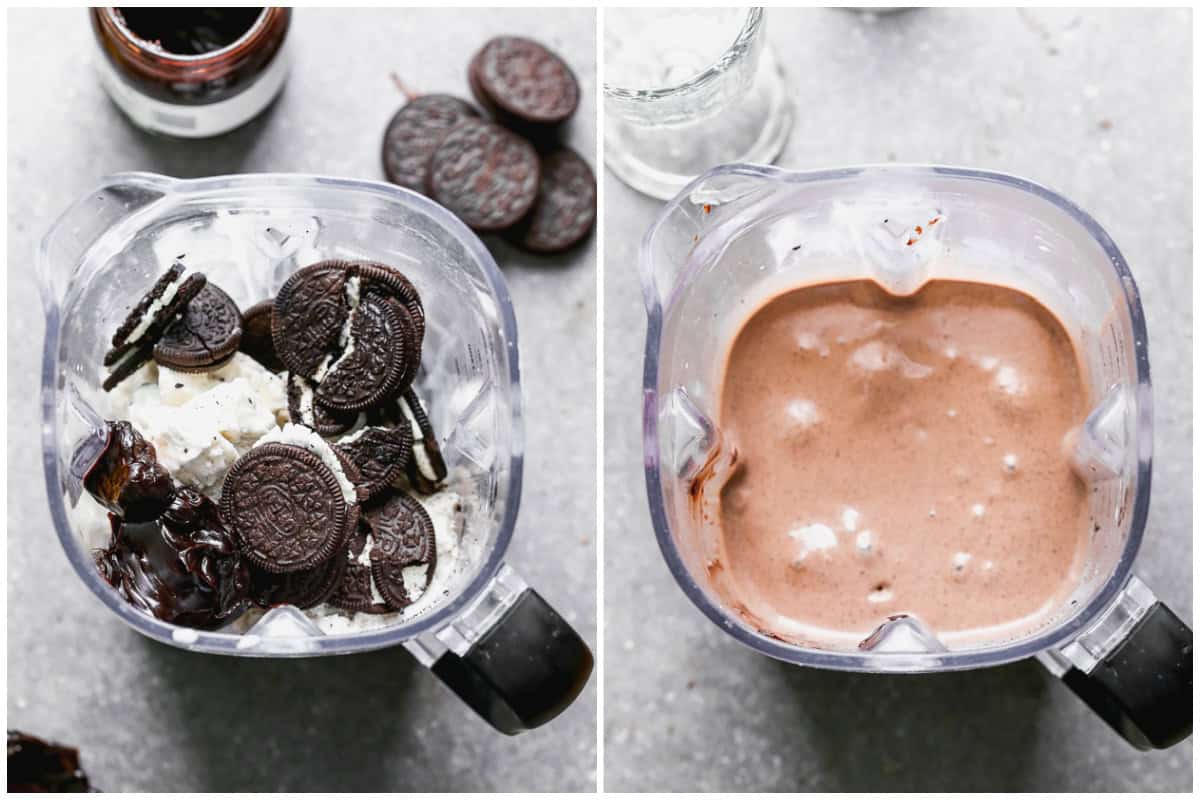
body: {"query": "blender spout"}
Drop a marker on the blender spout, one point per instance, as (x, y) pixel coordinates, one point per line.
(73, 233)
(902, 633)
(695, 226)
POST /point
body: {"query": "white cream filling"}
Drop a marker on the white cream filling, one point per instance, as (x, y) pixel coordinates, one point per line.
(130, 356)
(323, 369)
(364, 560)
(306, 402)
(355, 436)
(329, 364)
(328, 367)
(158, 305)
(311, 441)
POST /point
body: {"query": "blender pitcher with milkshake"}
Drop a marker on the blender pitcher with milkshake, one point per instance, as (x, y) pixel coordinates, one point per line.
(898, 419)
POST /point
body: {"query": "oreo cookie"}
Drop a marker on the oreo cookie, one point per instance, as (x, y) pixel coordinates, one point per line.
(133, 342)
(392, 282)
(354, 592)
(128, 364)
(204, 336)
(486, 175)
(403, 549)
(565, 211)
(522, 82)
(426, 469)
(257, 341)
(286, 508)
(303, 588)
(381, 455)
(304, 409)
(415, 132)
(379, 355)
(309, 315)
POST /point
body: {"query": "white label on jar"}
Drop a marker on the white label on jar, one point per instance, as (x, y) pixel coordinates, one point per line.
(195, 122)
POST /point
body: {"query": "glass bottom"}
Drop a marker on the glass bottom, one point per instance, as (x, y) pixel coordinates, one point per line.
(659, 160)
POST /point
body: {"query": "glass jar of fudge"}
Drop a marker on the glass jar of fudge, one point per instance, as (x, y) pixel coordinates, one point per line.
(191, 72)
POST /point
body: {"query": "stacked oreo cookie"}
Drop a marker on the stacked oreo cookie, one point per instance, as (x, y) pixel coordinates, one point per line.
(323, 515)
(511, 176)
(183, 322)
(316, 512)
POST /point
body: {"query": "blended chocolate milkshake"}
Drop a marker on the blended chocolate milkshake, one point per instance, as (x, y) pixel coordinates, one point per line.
(900, 455)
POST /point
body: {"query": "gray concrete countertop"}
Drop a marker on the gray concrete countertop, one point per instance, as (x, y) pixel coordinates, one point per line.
(150, 717)
(1094, 104)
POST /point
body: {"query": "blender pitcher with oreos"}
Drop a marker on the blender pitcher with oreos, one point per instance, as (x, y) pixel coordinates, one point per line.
(489, 636)
(740, 229)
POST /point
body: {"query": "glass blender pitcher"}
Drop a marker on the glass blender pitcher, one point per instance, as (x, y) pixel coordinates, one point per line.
(491, 639)
(740, 231)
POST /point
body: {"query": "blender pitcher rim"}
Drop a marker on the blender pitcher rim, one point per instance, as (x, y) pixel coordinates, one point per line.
(226, 643)
(991, 655)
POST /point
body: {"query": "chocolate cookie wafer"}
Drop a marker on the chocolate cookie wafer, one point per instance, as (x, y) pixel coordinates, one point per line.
(426, 469)
(403, 549)
(204, 336)
(286, 508)
(257, 341)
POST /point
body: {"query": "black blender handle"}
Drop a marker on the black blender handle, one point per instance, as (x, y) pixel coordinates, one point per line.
(1143, 688)
(524, 671)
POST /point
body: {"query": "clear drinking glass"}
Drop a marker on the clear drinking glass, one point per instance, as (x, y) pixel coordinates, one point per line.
(743, 231)
(686, 89)
(492, 639)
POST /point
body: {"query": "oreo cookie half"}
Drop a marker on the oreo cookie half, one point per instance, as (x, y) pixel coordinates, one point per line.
(415, 132)
(380, 354)
(309, 315)
(392, 282)
(285, 508)
(257, 341)
(380, 454)
(304, 409)
(403, 549)
(303, 588)
(485, 174)
(565, 211)
(204, 336)
(426, 469)
(354, 592)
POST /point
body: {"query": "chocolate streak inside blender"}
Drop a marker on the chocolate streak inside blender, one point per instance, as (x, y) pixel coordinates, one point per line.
(900, 456)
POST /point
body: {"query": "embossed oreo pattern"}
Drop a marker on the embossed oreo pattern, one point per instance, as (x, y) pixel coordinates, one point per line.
(310, 311)
(285, 508)
(566, 206)
(415, 132)
(325, 421)
(373, 370)
(380, 454)
(402, 537)
(204, 336)
(525, 79)
(390, 281)
(485, 174)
